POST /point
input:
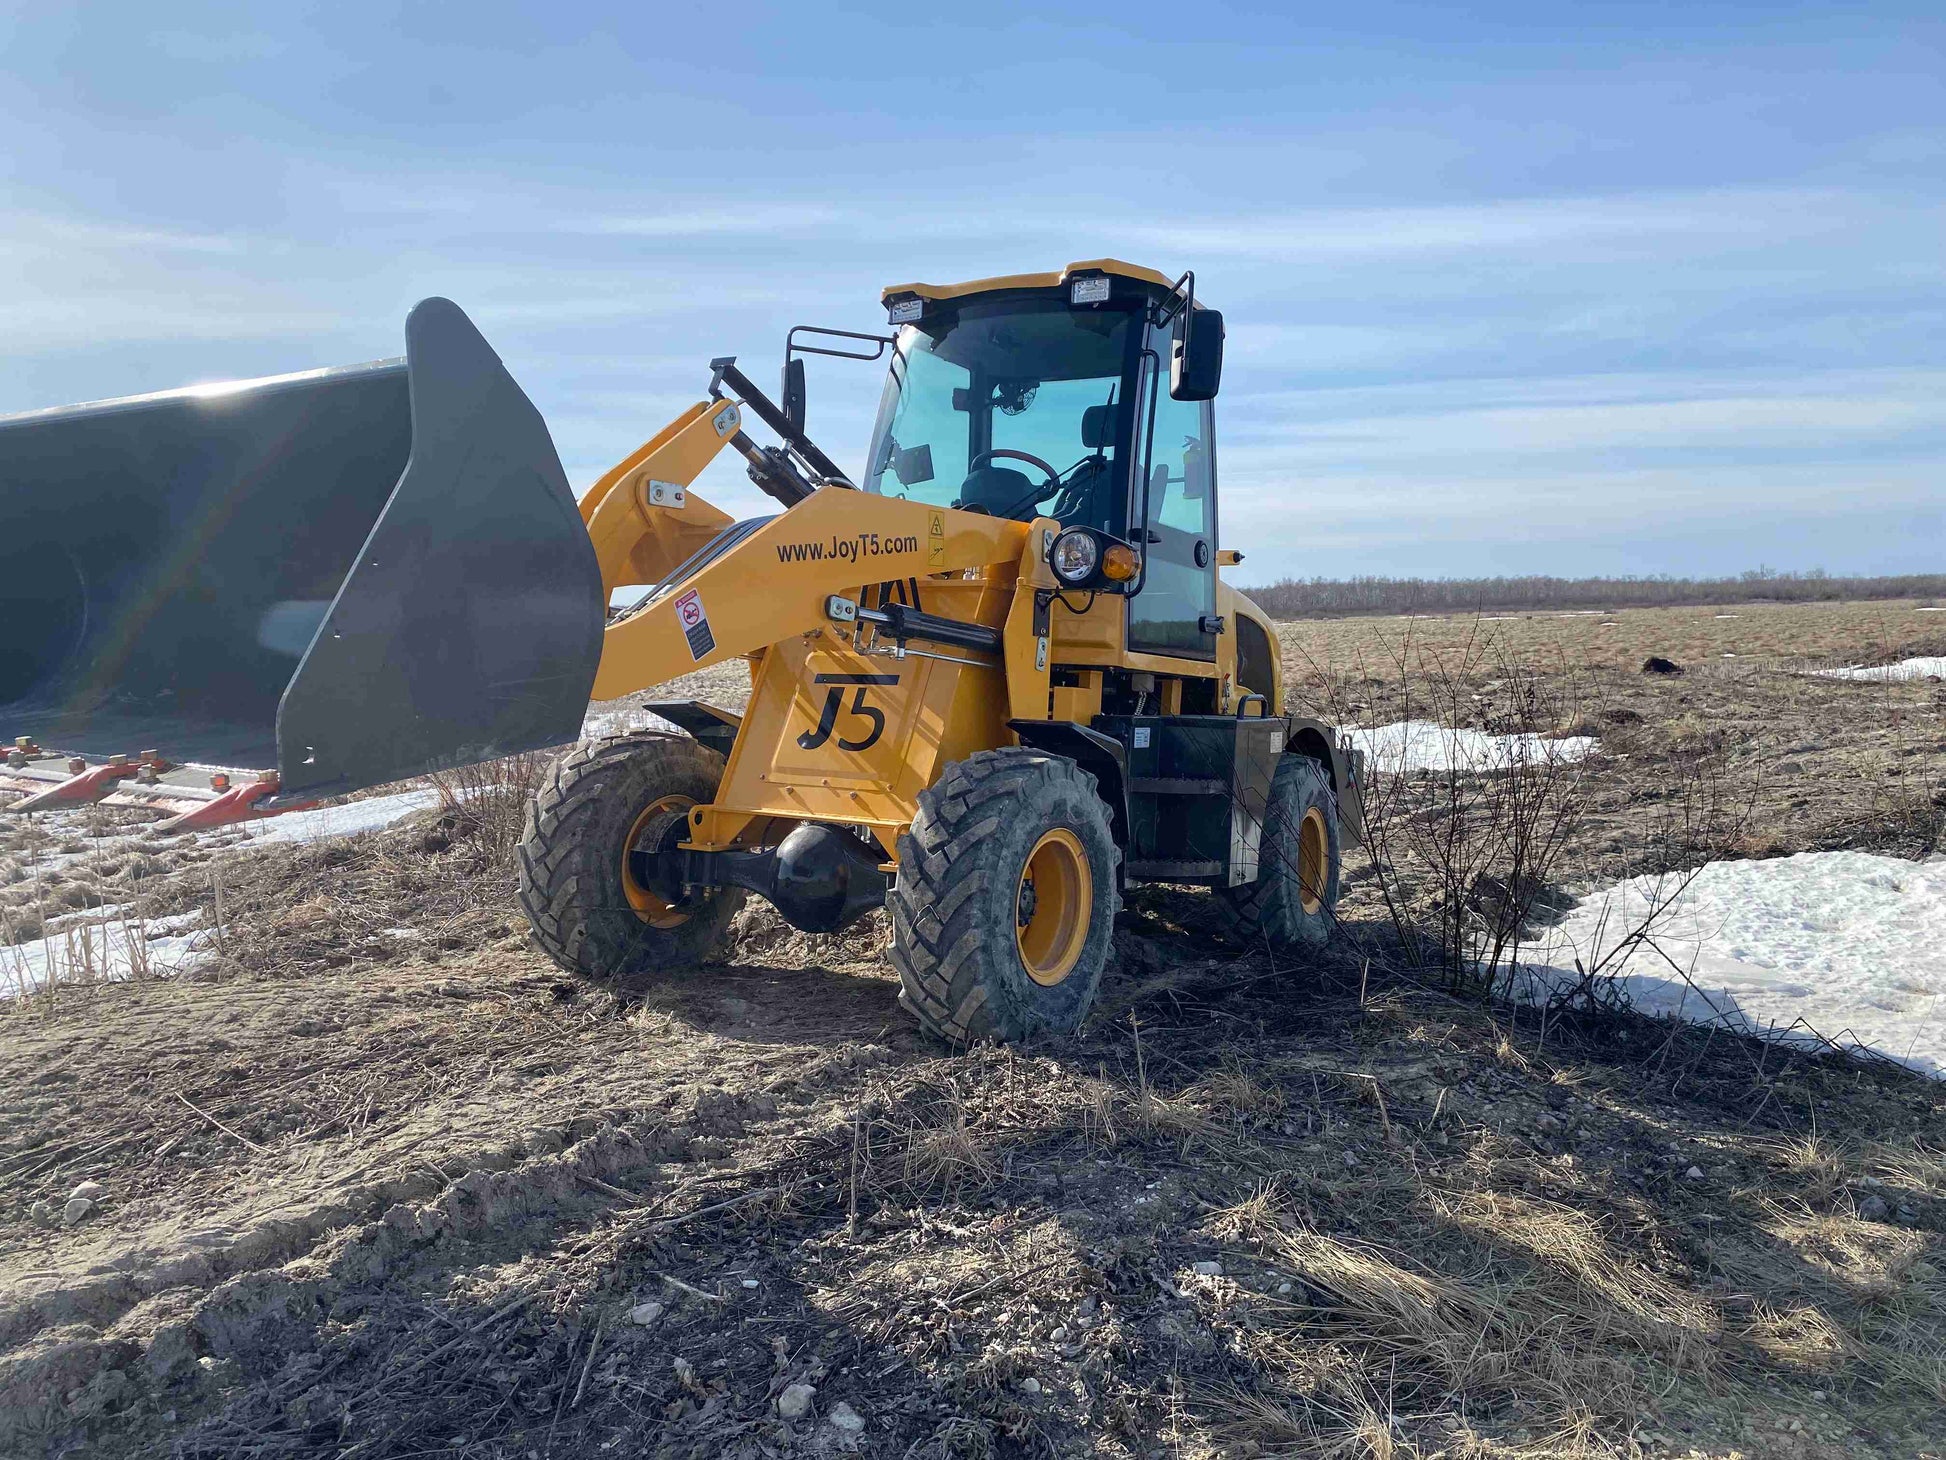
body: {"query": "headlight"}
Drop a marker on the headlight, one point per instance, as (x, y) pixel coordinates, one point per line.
(1074, 556)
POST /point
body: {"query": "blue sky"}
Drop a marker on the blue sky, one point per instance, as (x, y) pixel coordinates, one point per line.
(1516, 288)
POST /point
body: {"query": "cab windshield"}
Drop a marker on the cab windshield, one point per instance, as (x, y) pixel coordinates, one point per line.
(1013, 407)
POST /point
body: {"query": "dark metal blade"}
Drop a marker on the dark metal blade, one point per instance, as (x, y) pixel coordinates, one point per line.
(470, 626)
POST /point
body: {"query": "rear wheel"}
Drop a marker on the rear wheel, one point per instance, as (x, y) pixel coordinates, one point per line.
(588, 859)
(1006, 898)
(1294, 901)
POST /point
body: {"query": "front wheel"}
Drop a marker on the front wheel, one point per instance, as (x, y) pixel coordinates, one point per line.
(1293, 904)
(588, 858)
(1006, 898)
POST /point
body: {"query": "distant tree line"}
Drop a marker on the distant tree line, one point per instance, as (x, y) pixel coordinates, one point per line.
(1326, 597)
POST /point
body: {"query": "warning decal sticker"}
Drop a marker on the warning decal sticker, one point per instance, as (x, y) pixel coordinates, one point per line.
(695, 624)
(936, 543)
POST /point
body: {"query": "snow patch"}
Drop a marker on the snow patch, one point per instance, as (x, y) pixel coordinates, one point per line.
(108, 948)
(1903, 671)
(324, 822)
(1842, 946)
(1424, 745)
(621, 721)
(86, 915)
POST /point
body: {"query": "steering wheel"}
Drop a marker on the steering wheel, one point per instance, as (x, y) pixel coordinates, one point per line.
(1054, 483)
(980, 459)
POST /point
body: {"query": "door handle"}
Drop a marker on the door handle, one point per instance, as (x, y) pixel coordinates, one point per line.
(1153, 536)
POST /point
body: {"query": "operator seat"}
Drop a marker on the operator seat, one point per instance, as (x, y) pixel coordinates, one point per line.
(1088, 484)
(1002, 491)
(995, 490)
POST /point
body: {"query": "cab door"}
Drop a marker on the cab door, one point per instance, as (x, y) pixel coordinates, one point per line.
(1175, 611)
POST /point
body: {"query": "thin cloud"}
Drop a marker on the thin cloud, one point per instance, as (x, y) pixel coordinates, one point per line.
(766, 220)
(42, 232)
(222, 50)
(1424, 521)
(1513, 226)
(1423, 371)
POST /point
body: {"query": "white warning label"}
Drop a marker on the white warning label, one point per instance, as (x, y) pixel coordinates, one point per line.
(695, 624)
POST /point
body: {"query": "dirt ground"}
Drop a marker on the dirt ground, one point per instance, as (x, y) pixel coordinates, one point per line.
(376, 1180)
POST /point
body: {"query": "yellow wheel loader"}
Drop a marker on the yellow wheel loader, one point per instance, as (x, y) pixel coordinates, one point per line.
(995, 681)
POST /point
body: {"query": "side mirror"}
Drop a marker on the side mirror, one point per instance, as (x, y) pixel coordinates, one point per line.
(793, 401)
(1196, 356)
(913, 464)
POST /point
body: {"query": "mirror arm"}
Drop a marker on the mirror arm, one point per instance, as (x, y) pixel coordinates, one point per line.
(1180, 299)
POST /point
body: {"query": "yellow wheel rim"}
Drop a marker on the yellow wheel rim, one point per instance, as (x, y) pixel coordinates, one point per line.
(648, 907)
(1052, 906)
(1313, 859)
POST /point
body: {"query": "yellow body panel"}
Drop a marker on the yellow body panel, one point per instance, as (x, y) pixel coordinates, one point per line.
(774, 583)
(1233, 606)
(1031, 281)
(835, 734)
(1030, 657)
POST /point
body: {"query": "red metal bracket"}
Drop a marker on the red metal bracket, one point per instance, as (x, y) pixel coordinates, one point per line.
(232, 805)
(84, 784)
(24, 751)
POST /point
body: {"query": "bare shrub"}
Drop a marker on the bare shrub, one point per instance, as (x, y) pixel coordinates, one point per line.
(1471, 828)
(486, 803)
(1464, 850)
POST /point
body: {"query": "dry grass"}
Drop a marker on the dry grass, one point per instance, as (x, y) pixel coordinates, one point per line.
(1436, 1236)
(1442, 1229)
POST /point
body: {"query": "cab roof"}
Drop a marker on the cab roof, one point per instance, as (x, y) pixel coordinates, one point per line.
(1030, 281)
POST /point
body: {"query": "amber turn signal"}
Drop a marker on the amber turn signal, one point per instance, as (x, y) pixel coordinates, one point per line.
(1120, 563)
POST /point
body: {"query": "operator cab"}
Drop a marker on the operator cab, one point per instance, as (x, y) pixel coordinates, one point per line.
(1067, 395)
(1007, 405)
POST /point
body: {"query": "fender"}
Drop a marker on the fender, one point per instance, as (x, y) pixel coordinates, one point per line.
(715, 727)
(1102, 756)
(1344, 763)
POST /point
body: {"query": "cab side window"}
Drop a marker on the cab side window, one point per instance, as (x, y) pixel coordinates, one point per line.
(1178, 591)
(923, 452)
(1179, 468)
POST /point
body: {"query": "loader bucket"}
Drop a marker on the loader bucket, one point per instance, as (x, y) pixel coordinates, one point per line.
(355, 575)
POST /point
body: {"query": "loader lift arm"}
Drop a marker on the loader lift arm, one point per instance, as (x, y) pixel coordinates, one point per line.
(649, 528)
(641, 516)
(778, 577)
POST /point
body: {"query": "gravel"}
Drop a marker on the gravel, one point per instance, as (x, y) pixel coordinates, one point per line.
(795, 1402)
